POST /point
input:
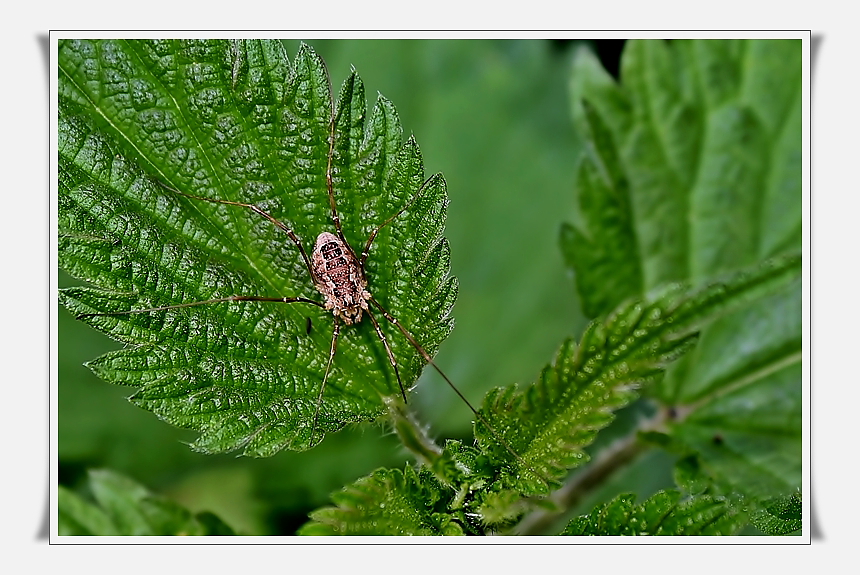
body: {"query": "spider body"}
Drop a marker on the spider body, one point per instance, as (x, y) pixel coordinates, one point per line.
(339, 278)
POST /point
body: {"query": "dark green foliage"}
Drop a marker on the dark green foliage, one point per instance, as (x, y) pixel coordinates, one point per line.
(549, 423)
(387, 502)
(124, 507)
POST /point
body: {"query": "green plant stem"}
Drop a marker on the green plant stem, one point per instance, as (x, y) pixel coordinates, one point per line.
(411, 434)
(618, 455)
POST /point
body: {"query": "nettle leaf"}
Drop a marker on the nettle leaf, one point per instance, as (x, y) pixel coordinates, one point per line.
(387, 502)
(237, 121)
(664, 513)
(124, 507)
(779, 516)
(548, 424)
(693, 170)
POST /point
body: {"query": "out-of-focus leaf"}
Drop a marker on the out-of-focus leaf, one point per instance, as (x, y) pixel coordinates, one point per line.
(693, 170)
(124, 507)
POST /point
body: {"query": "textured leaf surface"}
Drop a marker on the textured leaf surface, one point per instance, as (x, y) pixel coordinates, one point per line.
(548, 423)
(694, 170)
(124, 507)
(780, 516)
(387, 502)
(237, 121)
(662, 514)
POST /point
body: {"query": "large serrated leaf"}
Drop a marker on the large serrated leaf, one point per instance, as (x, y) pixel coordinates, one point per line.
(705, 179)
(237, 121)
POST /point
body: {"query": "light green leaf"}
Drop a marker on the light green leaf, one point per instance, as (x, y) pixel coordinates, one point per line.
(77, 516)
(237, 121)
(704, 142)
(606, 245)
(124, 507)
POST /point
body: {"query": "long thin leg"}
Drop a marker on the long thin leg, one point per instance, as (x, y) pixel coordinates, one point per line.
(254, 208)
(335, 217)
(477, 414)
(372, 237)
(208, 301)
(334, 335)
(390, 353)
(425, 355)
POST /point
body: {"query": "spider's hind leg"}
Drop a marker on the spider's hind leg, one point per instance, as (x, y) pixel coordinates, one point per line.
(390, 353)
(334, 336)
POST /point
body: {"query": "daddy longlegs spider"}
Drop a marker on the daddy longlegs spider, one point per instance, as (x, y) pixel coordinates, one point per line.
(338, 273)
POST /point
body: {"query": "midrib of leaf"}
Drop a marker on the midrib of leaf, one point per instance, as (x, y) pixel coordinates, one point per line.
(741, 381)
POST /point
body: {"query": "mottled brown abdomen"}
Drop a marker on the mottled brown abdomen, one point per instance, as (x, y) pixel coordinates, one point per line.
(339, 278)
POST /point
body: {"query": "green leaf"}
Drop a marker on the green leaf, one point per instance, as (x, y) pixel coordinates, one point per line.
(237, 121)
(548, 424)
(606, 245)
(124, 507)
(693, 170)
(665, 513)
(689, 476)
(693, 163)
(387, 502)
(77, 516)
(779, 516)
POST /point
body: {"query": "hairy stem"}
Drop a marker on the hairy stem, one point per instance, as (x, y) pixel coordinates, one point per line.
(618, 455)
(411, 434)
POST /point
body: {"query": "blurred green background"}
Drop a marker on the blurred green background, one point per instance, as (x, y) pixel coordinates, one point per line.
(493, 117)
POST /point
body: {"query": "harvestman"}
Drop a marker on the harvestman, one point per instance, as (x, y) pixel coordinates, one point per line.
(339, 275)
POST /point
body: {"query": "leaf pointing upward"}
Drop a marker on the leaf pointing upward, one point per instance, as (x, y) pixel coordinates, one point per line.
(237, 121)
